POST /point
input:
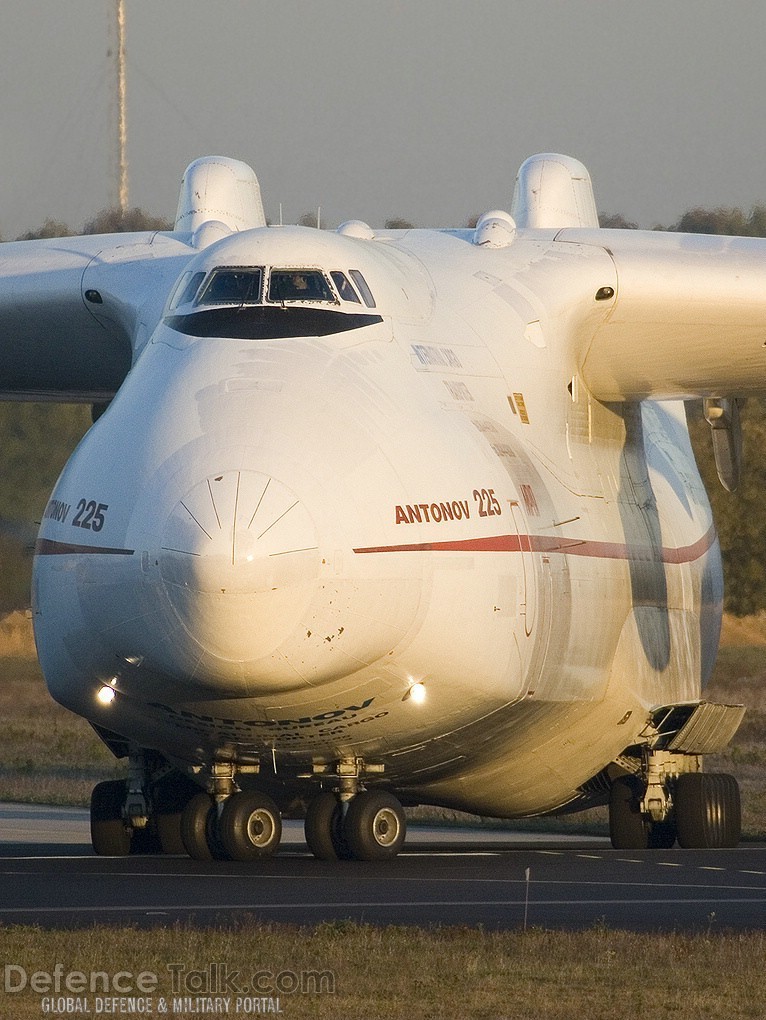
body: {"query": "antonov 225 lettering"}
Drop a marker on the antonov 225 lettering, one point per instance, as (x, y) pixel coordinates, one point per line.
(376, 518)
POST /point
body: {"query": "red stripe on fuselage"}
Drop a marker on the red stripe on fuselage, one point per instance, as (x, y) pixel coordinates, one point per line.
(564, 546)
(47, 547)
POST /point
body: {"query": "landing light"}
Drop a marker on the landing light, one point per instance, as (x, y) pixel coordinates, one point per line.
(416, 692)
(106, 695)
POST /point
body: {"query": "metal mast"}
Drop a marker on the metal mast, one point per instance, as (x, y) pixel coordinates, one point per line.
(122, 127)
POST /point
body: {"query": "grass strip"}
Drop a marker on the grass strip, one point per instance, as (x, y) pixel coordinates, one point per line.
(402, 973)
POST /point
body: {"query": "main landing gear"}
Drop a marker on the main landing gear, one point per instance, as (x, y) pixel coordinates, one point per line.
(149, 816)
(651, 811)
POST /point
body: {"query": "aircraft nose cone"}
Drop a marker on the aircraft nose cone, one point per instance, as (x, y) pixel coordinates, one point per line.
(238, 560)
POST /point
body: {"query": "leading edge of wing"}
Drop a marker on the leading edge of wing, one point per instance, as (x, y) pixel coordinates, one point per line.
(70, 310)
(688, 318)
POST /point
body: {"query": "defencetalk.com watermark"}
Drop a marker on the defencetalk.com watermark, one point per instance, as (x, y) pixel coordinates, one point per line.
(213, 990)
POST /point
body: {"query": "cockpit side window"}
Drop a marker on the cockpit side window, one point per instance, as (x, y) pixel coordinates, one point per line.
(364, 290)
(299, 285)
(345, 288)
(232, 286)
(186, 288)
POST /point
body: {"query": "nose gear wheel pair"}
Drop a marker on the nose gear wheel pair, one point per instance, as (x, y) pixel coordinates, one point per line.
(369, 827)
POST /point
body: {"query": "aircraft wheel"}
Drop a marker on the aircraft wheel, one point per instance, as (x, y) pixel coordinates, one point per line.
(324, 828)
(662, 835)
(170, 796)
(375, 826)
(108, 833)
(708, 810)
(146, 840)
(199, 824)
(169, 832)
(627, 827)
(250, 826)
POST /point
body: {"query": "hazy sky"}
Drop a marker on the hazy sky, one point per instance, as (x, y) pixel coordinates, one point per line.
(377, 108)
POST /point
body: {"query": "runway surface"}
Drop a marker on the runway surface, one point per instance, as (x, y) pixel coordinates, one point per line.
(49, 876)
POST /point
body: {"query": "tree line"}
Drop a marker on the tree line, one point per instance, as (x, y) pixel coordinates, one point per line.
(722, 220)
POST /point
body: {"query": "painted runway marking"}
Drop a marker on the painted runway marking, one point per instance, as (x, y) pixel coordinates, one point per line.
(447, 853)
(392, 904)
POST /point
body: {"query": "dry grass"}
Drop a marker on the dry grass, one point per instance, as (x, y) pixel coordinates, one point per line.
(47, 755)
(409, 974)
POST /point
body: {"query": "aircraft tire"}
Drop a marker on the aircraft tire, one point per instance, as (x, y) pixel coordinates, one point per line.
(375, 826)
(662, 835)
(323, 828)
(146, 840)
(708, 810)
(108, 833)
(170, 796)
(169, 832)
(198, 823)
(628, 829)
(250, 826)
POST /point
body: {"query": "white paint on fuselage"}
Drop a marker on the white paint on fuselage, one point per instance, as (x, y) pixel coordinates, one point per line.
(307, 526)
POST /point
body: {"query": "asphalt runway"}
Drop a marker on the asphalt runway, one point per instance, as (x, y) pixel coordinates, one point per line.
(49, 876)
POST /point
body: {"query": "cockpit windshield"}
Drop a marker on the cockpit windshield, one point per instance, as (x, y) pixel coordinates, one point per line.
(259, 285)
(299, 285)
(265, 303)
(232, 286)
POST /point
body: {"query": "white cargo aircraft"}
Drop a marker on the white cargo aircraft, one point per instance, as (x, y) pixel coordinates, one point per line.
(377, 518)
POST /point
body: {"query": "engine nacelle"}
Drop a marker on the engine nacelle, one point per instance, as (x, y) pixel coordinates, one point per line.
(221, 189)
(553, 191)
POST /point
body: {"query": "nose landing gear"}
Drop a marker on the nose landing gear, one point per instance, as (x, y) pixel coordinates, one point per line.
(369, 827)
(247, 826)
(156, 812)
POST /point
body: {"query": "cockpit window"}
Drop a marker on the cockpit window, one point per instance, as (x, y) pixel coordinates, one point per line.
(299, 285)
(186, 288)
(232, 287)
(364, 290)
(345, 288)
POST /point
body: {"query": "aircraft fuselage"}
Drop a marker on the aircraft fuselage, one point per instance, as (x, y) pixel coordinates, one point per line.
(271, 536)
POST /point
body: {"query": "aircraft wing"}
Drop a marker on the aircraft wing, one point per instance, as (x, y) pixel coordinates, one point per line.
(688, 318)
(74, 310)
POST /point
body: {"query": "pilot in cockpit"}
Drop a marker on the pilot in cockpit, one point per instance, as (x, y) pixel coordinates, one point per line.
(299, 285)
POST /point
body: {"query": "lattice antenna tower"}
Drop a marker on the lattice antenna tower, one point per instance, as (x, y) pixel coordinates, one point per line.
(122, 124)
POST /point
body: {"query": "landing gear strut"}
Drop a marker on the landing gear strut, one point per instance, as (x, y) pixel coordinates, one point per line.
(350, 822)
(141, 814)
(230, 824)
(630, 828)
(158, 810)
(702, 810)
(369, 827)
